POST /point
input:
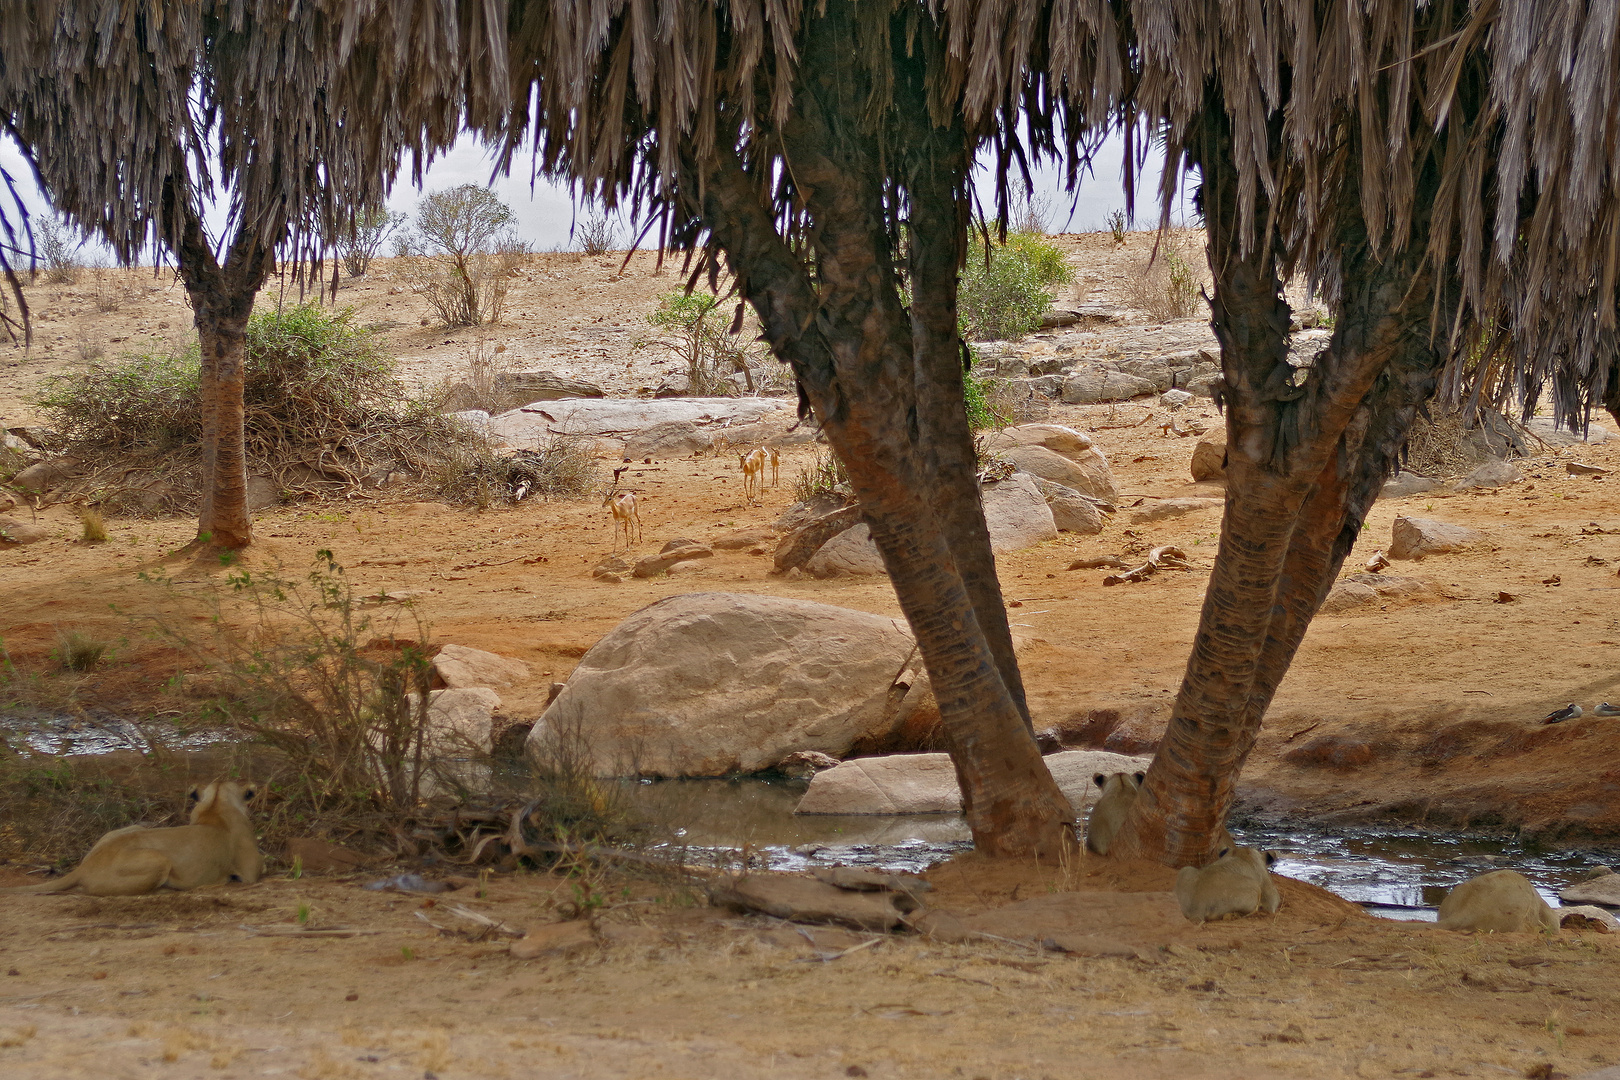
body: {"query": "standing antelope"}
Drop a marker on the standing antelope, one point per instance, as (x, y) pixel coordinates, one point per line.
(776, 467)
(626, 517)
(753, 469)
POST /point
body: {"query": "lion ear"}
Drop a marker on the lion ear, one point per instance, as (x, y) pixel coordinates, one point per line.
(248, 793)
(1141, 776)
(1099, 779)
(1223, 853)
(195, 794)
(1271, 858)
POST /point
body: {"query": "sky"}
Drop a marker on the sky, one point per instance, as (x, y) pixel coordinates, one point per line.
(545, 212)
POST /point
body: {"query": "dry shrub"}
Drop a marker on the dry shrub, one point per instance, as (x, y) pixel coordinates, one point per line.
(596, 234)
(106, 293)
(53, 808)
(478, 476)
(1166, 284)
(323, 412)
(1443, 447)
(336, 695)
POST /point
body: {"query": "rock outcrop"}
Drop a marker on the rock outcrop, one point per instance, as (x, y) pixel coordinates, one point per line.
(1414, 538)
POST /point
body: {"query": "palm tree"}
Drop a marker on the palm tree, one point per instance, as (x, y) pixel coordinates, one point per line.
(1367, 146)
(822, 151)
(139, 115)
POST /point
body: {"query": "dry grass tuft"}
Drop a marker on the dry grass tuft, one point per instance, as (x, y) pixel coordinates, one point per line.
(1166, 284)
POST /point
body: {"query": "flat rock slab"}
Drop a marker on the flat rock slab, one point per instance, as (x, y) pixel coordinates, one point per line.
(1405, 484)
(926, 783)
(1414, 538)
(1171, 508)
(461, 666)
(1362, 592)
(1587, 917)
(1604, 891)
(804, 899)
(528, 426)
(13, 532)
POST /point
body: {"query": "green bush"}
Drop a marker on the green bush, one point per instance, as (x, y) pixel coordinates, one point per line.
(1006, 296)
(695, 329)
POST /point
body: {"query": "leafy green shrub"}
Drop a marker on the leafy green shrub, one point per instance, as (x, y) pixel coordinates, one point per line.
(1006, 296)
(695, 329)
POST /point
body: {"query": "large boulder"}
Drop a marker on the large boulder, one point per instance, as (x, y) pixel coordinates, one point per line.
(1092, 477)
(708, 684)
(1071, 511)
(1064, 440)
(926, 783)
(1014, 509)
(1413, 538)
(13, 531)
(851, 551)
(462, 720)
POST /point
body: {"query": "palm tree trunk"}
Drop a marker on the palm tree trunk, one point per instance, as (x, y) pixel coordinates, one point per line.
(939, 223)
(222, 302)
(223, 518)
(1304, 464)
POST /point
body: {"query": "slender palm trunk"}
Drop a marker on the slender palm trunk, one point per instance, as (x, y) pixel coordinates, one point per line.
(222, 302)
(1305, 460)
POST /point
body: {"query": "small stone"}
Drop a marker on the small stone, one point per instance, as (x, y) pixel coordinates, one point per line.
(14, 532)
(556, 939)
(1414, 538)
(1175, 399)
(653, 565)
(1170, 508)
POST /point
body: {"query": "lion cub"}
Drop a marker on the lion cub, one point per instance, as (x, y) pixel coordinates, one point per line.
(1108, 814)
(1236, 883)
(217, 846)
(1502, 902)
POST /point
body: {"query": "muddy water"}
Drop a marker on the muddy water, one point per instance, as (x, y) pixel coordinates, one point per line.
(1399, 874)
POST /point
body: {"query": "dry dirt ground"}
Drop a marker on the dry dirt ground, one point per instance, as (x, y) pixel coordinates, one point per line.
(1434, 703)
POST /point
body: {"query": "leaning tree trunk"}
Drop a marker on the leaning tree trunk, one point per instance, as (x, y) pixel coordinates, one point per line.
(222, 302)
(1305, 459)
(850, 342)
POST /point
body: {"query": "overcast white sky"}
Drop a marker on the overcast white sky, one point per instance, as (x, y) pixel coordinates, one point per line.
(545, 212)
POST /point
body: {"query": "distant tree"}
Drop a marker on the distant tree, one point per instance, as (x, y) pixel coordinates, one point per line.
(371, 229)
(464, 235)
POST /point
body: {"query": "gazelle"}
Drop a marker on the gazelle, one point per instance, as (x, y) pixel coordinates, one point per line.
(753, 470)
(776, 467)
(625, 517)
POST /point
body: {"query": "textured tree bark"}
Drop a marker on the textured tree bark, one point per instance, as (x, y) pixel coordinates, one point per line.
(1305, 460)
(222, 302)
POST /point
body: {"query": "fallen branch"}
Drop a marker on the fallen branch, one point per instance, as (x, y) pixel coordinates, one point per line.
(1168, 557)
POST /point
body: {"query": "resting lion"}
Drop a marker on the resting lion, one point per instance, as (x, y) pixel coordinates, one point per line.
(217, 846)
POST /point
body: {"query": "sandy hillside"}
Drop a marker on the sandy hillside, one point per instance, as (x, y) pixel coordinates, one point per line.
(1418, 710)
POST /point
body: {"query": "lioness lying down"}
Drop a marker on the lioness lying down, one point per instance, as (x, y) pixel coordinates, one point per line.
(217, 846)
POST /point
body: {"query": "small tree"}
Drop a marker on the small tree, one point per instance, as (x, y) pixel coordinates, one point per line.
(58, 253)
(465, 240)
(371, 228)
(700, 334)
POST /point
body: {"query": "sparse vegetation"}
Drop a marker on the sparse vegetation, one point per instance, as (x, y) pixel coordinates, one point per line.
(1441, 446)
(58, 253)
(1117, 226)
(1166, 284)
(93, 527)
(106, 292)
(596, 234)
(371, 229)
(1005, 295)
(464, 252)
(323, 411)
(476, 476)
(339, 699)
(694, 328)
(826, 477)
(77, 650)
